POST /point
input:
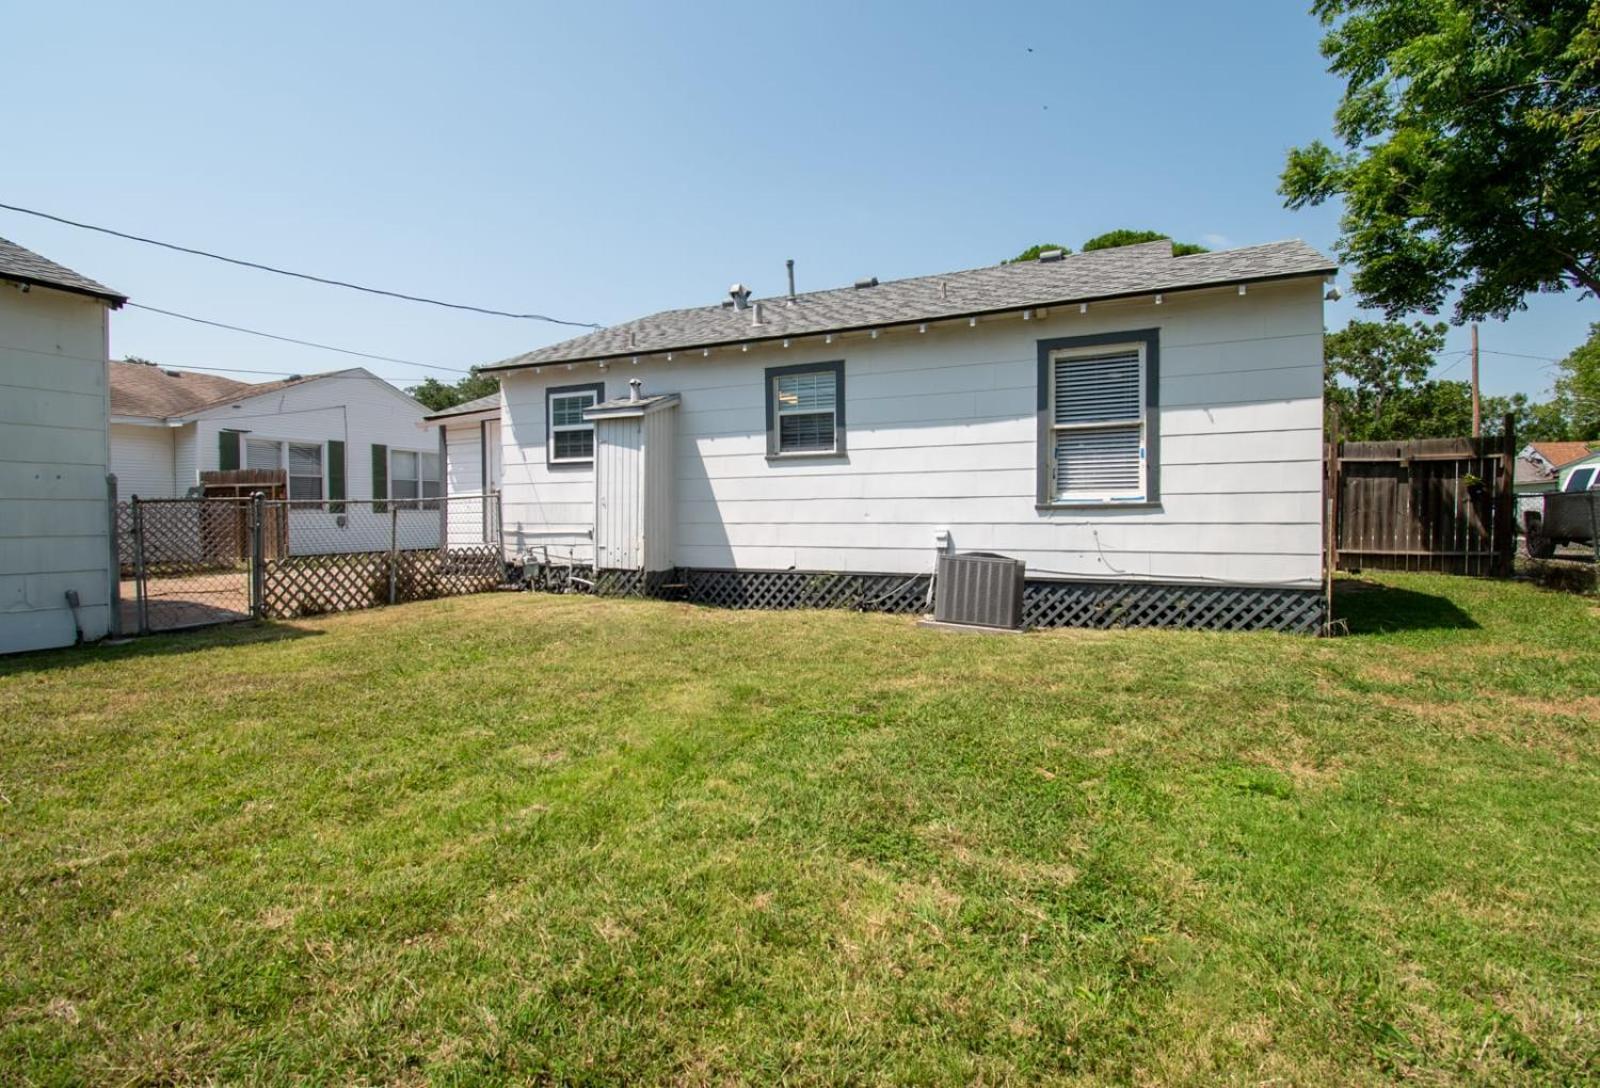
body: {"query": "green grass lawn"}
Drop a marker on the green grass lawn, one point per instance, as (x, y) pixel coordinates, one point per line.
(560, 839)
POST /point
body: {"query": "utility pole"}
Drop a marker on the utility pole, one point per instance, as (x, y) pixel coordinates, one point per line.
(1477, 422)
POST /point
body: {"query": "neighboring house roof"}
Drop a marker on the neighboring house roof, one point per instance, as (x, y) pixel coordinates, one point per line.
(1532, 472)
(489, 403)
(1558, 454)
(25, 266)
(1085, 277)
(147, 390)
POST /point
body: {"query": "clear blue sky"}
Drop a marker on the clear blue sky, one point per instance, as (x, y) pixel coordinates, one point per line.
(600, 162)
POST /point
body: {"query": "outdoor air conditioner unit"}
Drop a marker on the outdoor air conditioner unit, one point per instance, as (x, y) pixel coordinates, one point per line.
(980, 589)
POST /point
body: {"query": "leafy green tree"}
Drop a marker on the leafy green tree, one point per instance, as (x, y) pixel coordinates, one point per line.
(436, 396)
(1471, 161)
(1032, 252)
(1371, 367)
(1111, 239)
(1578, 387)
(1535, 422)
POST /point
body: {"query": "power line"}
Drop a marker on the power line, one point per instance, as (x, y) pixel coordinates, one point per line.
(297, 275)
(293, 340)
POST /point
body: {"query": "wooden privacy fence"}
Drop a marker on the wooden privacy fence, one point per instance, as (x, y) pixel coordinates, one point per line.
(1428, 504)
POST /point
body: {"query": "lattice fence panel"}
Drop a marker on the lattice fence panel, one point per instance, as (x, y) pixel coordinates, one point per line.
(1226, 608)
(311, 585)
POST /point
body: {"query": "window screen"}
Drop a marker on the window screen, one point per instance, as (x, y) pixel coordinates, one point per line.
(1097, 418)
(403, 479)
(263, 454)
(305, 471)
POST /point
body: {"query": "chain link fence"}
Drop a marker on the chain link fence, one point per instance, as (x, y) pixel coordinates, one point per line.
(189, 562)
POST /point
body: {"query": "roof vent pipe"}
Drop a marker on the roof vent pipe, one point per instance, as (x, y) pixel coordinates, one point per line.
(790, 264)
(634, 385)
(740, 295)
(755, 313)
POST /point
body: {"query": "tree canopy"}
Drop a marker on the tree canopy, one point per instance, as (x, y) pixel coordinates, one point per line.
(1471, 161)
(1111, 239)
(1578, 387)
(436, 396)
(1376, 375)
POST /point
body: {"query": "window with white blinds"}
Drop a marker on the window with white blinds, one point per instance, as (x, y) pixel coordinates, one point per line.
(1097, 421)
(263, 454)
(305, 471)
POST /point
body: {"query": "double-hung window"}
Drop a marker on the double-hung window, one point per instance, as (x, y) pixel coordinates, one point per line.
(1097, 427)
(805, 410)
(305, 471)
(571, 437)
(414, 476)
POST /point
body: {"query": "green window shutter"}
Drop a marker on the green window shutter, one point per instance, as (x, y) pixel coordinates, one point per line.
(380, 477)
(228, 450)
(336, 482)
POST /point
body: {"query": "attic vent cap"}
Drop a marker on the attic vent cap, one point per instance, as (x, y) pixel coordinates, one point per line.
(740, 294)
(870, 281)
(173, 373)
(1052, 255)
(296, 378)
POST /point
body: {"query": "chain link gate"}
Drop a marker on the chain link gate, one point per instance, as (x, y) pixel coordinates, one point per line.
(187, 562)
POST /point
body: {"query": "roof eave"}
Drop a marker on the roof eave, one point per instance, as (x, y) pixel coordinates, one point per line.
(512, 365)
(110, 298)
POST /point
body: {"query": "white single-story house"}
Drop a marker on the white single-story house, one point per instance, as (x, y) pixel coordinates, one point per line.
(1144, 430)
(471, 451)
(56, 538)
(346, 434)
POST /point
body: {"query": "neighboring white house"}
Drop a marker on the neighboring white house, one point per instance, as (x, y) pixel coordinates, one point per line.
(471, 445)
(1123, 416)
(343, 435)
(1544, 467)
(55, 517)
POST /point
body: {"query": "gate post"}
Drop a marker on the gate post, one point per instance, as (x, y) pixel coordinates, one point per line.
(394, 537)
(116, 556)
(138, 567)
(1505, 501)
(258, 563)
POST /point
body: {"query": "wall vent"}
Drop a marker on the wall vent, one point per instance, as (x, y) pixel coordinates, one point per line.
(979, 588)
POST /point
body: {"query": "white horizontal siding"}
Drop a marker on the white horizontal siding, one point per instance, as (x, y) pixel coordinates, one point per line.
(54, 455)
(942, 436)
(142, 458)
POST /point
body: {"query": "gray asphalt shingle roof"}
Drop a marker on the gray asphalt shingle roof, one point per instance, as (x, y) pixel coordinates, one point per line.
(482, 404)
(1084, 277)
(26, 266)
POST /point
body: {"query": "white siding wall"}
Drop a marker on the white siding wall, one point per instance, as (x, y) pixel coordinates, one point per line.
(356, 410)
(942, 435)
(54, 455)
(142, 458)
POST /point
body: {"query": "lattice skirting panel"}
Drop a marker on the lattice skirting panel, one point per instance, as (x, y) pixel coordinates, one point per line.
(1045, 603)
(1130, 604)
(310, 585)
